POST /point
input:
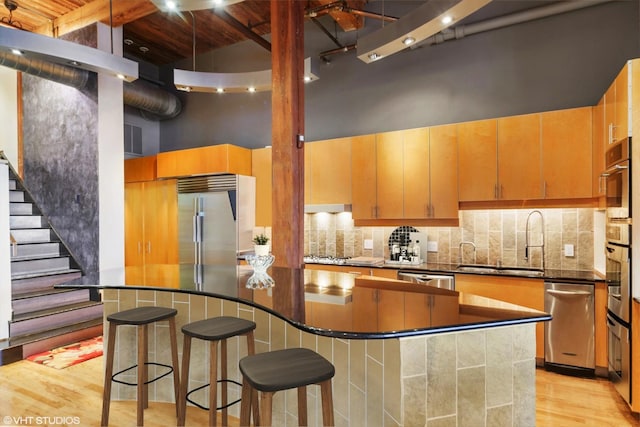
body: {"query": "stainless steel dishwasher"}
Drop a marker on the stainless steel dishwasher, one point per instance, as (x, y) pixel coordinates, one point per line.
(438, 280)
(570, 335)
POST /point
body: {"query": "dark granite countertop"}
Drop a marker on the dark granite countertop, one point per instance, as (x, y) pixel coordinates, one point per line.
(547, 274)
(334, 304)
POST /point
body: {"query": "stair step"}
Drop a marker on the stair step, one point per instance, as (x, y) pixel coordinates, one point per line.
(12, 184)
(36, 250)
(16, 196)
(33, 284)
(26, 221)
(47, 299)
(23, 346)
(20, 208)
(39, 266)
(43, 320)
(32, 235)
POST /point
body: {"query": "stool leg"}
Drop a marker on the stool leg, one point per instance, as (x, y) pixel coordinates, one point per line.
(174, 362)
(246, 402)
(302, 406)
(327, 403)
(106, 396)
(251, 350)
(182, 399)
(266, 406)
(142, 374)
(213, 387)
(223, 384)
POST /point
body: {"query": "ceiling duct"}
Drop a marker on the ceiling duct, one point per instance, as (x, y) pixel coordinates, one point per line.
(161, 104)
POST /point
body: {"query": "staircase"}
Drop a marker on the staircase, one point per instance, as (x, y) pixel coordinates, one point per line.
(43, 317)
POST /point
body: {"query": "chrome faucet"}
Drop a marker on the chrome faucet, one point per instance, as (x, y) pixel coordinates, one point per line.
(460, 249)
(527, 245)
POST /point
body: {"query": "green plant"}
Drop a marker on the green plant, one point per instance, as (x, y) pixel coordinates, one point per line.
(260, 239)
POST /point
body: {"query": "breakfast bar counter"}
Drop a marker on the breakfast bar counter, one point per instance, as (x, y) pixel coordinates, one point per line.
(405, 354)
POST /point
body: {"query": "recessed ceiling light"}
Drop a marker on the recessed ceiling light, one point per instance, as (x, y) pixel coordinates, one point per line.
(143, 49)
(128, 42)
(408, 40)
(447, 20)
(373, 56)
(120, 76)
(74, 63)
(220, 90)
(16, 51)
(307, 79)
(171, 5)
(218, 2)
(251, 89)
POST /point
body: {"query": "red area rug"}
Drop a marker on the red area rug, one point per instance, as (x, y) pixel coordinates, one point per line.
(69, 355)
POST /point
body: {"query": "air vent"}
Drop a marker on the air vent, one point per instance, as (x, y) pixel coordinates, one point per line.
(209, 183)
(132, 140)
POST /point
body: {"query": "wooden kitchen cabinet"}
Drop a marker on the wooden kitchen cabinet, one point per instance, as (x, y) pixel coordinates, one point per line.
(601, 329)
(519, 158)
(406, 175)
(415, 153)
(261, 170)
(566, 153)
(390, 172)
(140, 169)
(598, 135)
(151, 220)
(616, 107)
(327, 172)
(443, 172)
(525, 292)
(213, 159)
(477, 160)
(363, 177)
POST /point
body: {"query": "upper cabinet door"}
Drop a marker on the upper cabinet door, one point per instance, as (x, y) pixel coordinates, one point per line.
(363, 176)
(477, 160)
(261, 169)
(443, 160)
(621, 125)
(328, 171)
(519, 162)
(416, 173)
(389, 177)
(566, 153)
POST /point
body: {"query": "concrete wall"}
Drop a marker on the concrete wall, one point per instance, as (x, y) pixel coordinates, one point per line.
(9, 114)
(559, 62)
(60, 134)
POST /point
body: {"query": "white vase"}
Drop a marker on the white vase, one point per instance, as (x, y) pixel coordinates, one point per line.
(261, 250)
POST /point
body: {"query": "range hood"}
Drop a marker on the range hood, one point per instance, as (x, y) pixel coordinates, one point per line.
(330, 208)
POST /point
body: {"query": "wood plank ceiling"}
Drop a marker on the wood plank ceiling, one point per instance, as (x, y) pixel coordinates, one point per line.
(162, 38)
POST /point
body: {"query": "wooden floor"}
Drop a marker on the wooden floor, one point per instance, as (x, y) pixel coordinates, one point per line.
(31, 390)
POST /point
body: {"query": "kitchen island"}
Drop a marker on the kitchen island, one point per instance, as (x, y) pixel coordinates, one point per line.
(405, 354)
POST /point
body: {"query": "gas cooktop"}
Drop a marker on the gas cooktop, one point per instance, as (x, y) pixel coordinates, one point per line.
(318, 259)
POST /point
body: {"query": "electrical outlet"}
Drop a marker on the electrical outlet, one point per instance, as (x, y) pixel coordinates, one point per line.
(432, 246)
(368, 243)
(568, 250)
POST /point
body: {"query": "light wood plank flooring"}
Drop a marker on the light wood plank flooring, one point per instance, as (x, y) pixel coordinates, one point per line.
(31, 390)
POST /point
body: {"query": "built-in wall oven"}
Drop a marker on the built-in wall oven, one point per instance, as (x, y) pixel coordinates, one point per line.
(618, 265)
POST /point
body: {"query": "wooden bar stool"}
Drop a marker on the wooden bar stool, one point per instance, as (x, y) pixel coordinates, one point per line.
(283, 370)
(214, 330)
(140, 317)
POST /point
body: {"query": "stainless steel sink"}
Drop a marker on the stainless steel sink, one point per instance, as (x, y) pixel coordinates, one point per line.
(507, 271)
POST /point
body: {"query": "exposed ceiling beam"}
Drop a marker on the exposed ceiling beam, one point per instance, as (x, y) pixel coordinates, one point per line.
(338, 11)
(116, 13)
(233, 22)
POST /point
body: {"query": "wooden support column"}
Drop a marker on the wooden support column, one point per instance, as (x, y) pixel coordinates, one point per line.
(287, 107)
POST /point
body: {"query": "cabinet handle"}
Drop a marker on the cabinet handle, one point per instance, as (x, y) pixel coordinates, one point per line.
(139, 247)
(149, 246)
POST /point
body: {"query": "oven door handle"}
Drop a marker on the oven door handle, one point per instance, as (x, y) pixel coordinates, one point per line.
(614, 169)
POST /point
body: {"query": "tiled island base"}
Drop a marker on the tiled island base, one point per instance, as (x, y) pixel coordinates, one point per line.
(482, 377)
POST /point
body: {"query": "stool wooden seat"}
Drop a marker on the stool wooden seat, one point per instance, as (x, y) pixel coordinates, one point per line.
(140, 317)
(274, 371)
(214, 330)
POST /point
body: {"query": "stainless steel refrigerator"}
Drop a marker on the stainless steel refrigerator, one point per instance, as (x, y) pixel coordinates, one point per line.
(216, 217)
